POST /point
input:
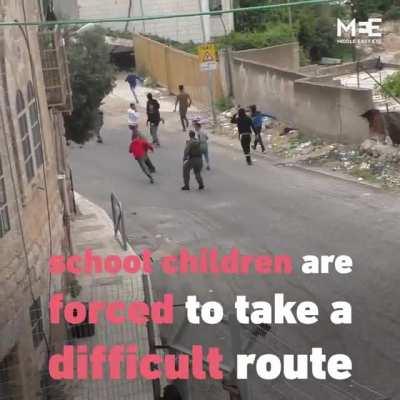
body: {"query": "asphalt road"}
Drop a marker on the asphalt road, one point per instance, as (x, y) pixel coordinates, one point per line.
(263, 209)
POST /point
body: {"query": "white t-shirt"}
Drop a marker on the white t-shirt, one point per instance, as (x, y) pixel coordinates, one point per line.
(133, 117)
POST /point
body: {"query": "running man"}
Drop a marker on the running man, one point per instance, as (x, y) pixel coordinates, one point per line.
(184, 101)
(132, 81)
(139, 149)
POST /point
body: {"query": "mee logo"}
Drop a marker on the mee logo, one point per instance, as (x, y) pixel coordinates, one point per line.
(359, 32)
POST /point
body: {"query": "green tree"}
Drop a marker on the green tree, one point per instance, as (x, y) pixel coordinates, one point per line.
(92, 78)
(364, 8)
(317, 35)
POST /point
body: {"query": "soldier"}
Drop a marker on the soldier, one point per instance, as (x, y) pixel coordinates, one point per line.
(203, 139)
(192, 159)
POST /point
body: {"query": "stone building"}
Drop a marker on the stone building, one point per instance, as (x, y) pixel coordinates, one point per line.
(33, 199)
(179, 29)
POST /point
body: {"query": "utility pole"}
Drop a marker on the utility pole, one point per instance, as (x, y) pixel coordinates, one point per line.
(290, 16)
(209, 73)
(353, 7)
(142, 13)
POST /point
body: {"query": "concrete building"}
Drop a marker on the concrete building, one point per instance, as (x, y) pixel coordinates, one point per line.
(179, 29)
(33, 202)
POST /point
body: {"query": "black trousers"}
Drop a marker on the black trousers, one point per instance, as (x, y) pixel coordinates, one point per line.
(146, 165)
(150, 165)
(195, 164)
(184, 120)
(258, 138)
(245, 140)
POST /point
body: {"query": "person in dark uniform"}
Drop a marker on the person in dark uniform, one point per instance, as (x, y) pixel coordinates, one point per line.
(192, 159)
(245, 127)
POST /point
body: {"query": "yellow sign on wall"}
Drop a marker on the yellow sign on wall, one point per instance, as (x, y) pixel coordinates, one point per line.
(208, 57)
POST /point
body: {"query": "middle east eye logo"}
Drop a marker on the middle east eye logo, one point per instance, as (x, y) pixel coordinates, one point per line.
(359, 32)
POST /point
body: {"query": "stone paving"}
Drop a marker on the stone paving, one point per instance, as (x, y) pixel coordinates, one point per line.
(93, 229)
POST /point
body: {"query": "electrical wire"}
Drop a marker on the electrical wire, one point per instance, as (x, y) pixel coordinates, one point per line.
(158, 17)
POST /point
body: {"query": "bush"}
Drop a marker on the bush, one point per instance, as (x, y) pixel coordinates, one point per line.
(188, 47)
(274, 35)
(393, 13)
(391, 85)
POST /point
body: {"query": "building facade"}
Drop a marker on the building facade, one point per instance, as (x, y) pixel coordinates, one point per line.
(33, 205)
(179, 29)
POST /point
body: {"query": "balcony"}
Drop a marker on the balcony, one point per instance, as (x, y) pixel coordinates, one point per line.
(55, 70)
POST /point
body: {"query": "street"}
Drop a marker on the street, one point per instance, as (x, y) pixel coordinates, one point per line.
(262, 209)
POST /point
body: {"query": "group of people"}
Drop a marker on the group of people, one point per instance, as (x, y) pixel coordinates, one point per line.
(248, 122)
(196, 146)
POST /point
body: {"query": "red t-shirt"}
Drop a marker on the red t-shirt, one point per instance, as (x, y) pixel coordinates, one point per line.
(139, 147)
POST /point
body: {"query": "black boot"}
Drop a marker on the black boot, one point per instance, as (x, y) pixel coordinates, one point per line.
(248, 159)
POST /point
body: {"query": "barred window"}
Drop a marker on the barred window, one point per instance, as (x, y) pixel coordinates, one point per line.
(35, 312)
(215, 5)
(25, 137)
(35, 126)
(4, 216)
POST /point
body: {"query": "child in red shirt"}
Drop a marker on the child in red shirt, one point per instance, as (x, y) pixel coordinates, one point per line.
(139, 148)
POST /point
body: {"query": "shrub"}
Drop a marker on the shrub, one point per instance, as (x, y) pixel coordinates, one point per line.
(274, 35)
(393, 13)
(189, 47)
(391, 85)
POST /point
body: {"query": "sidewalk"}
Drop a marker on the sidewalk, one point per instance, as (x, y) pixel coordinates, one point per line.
(93, 229)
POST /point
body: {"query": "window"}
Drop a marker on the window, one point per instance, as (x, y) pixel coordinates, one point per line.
(25, 137)
(4, 216)
(35, 126)
(215, 5)
(35, 312)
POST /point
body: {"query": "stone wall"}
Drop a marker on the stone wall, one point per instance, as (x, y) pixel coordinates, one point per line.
(286, 56)
(171, 67)
(313, 103)
(34, 206)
